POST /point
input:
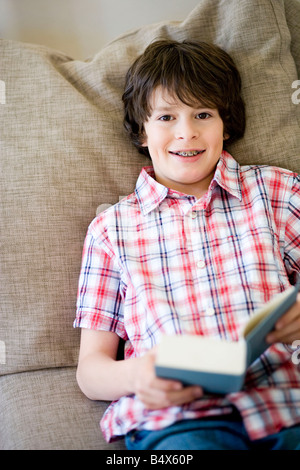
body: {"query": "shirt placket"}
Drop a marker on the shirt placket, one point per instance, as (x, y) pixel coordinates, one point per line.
(194, 222)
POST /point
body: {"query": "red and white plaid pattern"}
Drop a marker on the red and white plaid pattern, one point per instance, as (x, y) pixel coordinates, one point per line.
(161, 262)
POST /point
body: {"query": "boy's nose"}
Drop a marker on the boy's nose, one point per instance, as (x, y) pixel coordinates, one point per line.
(186, 131)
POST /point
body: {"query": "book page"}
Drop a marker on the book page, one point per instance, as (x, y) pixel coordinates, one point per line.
(266, 310)
(200, 353)
(264, 322)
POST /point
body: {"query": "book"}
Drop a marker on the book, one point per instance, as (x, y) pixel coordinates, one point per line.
(219, 366)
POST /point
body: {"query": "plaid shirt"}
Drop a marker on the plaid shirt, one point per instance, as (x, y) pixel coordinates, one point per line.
(162, 262)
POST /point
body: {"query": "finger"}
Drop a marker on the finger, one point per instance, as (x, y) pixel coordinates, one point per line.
(157, 390)
(163, 399)
(287, 334)
(287, 328)
(167, 385)
(186, 395)
(290, 315)
(287, 338)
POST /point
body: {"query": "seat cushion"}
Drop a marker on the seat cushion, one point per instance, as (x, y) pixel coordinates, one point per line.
(45, 410)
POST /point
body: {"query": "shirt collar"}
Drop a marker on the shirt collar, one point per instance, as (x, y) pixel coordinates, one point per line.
(150, 193)
(227, 175)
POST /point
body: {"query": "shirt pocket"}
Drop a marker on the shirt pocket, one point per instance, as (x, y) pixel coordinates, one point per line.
(253, 260)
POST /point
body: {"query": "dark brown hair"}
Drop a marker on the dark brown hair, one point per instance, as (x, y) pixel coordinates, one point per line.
(196, 73)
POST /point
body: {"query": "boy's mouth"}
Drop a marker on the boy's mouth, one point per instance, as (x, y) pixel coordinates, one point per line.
(188, 153)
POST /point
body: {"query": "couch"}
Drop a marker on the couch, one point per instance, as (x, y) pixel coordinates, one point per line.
(65, 157)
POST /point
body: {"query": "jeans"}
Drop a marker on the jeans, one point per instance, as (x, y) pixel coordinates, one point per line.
(225, 433)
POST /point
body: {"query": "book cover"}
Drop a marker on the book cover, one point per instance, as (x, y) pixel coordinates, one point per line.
(220, 366)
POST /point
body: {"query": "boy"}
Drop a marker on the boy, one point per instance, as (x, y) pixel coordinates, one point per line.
(199, 245)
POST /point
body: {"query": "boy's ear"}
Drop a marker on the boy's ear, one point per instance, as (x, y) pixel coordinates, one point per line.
(226, 136)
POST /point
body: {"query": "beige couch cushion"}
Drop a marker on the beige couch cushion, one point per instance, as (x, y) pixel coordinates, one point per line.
(45, 410)
(64, 153)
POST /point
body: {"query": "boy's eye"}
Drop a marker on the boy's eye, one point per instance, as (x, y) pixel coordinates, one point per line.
(203, 115)
(166, 117)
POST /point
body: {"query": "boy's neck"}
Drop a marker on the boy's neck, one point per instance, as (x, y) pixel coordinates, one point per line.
(198, 189)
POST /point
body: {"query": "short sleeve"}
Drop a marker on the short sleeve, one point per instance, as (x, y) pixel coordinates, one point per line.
(99, 300)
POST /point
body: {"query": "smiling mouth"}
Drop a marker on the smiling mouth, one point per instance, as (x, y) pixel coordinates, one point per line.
(188, 153)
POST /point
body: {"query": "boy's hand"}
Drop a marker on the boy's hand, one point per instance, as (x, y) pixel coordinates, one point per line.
(287, 329)
(158, 393)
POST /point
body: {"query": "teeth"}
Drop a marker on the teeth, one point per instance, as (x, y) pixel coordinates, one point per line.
(188, 154)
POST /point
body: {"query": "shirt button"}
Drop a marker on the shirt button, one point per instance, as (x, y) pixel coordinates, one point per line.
(193, 214)
(210, 311)
(201, 264)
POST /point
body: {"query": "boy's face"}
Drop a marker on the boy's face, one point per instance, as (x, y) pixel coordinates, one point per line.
(184, 143)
